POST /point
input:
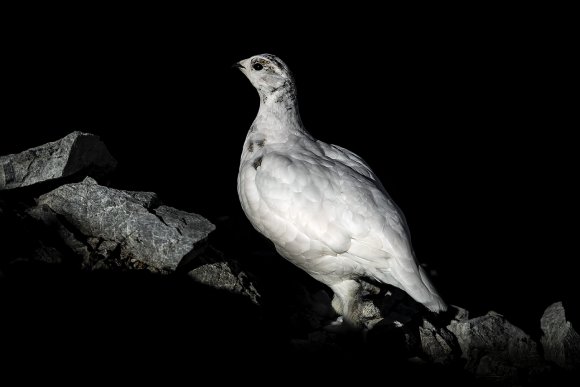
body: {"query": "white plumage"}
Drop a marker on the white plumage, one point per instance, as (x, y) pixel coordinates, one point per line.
(321, 205)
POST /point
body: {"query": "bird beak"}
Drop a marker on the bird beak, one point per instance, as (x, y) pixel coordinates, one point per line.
(238, 65)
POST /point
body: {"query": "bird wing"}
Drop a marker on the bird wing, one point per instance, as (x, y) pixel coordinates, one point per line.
(348, 158)
(334, 201)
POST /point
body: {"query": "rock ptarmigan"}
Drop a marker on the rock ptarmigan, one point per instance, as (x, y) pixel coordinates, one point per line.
(321, 205)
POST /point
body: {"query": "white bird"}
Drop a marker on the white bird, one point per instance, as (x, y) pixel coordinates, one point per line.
(321, 205)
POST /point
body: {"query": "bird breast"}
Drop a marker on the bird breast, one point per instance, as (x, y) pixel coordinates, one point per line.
(313, 207)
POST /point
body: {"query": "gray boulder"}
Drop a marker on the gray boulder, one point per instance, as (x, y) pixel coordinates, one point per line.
(560, 341)
(495, 348)
(133, 226)
(76, 153)
(216, 271)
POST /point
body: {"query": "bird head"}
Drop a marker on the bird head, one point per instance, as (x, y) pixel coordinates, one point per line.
(267, 73)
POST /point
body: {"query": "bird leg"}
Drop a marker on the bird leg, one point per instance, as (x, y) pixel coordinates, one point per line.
(346, 301)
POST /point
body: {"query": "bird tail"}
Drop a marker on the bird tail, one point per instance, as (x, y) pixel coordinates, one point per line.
(413, 279)
(434, 302)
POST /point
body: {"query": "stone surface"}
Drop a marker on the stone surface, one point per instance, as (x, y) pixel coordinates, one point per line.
(221, 273)
(132, 225)
(495, 348)
(76, 153)
(438, 344)
(560, 341)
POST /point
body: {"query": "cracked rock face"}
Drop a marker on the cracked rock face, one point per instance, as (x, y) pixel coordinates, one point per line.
(76, 153)
(437, 343)
(224, 274)
(494, 347)
(131, 224)
(560, 341)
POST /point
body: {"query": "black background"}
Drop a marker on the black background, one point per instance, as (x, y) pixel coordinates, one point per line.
(467, 118)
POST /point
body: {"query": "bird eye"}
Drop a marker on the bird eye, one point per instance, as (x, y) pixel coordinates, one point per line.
(257, 66)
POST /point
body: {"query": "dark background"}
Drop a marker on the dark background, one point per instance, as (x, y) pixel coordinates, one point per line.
(467, 120)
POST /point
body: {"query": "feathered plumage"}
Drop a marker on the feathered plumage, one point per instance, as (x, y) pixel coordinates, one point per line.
(321, 205)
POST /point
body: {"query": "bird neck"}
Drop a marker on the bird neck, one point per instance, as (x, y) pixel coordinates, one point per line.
(278, 117)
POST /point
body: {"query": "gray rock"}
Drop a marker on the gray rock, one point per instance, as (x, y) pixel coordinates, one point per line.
(77, 152)
(560, 341)
(220, 273)
(493, 347)
(96, 219)
(438, 344)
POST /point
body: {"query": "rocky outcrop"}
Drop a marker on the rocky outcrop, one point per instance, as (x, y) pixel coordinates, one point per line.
(101, 229)
(560, 341)
(77, 153)
(133, 225)
(128, 249)
(495, 348)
